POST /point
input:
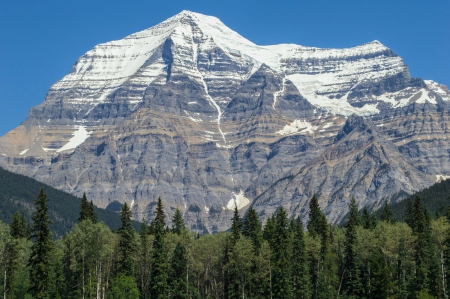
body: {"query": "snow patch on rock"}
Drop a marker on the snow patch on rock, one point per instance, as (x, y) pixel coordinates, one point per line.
(79, 136)
(298, 126)
(239, 200)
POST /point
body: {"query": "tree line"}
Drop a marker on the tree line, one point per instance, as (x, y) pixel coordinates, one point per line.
(367, 257)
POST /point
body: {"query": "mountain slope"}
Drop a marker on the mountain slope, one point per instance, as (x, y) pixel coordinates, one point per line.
(18, 192)
(190, 111)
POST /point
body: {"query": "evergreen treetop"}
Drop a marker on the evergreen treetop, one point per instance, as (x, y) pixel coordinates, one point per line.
(18, 226)
(252, 228)
(178, 224)
(127, 243)
(386, 214)
(160, 212)
(41, 249)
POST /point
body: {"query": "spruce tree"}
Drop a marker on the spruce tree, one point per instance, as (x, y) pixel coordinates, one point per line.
(41, 250)
(160, 213)
(301, 282)
(232, 281)
(178, 274)
(281, 257)
(127, 243)
(236, 226)
(251, 228)
(420, 224)
(18, 226)
(87, 211)
(317, 228)
(159, 288)
(351, 285)
(268, 232)
(92, 215)
(386, 214)
(178, 224)
(317, 224)
(144, 265)
(84, 209)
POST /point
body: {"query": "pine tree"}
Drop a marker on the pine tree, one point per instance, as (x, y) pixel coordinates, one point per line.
(177, 274)
(232, 275)
(420, 224)
(144, 266)
(92, 215)
(158, 280)
(236, 226)
(251, 228)
(351, 285)
(18, 226)
(281, 257)
(178, 224)
(317, 228)
(87, 211)
(41, 249)
(301, 283)
(160, 213)
(127, 243)
(84, 209)
(386, 214)
(269, 229)
(317, 224)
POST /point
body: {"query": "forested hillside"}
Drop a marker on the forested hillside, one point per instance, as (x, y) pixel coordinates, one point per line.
(435, 198)
(365, 258)
(17, 193)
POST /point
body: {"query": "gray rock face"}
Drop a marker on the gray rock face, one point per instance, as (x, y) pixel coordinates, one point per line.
(194, 113)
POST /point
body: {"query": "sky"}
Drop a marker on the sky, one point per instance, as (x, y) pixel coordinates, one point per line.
(41, 40)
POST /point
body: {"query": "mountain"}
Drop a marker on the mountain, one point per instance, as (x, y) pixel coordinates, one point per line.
(18, 192)
(192, 112)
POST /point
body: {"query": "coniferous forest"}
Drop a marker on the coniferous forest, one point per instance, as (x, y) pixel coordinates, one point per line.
(366, 257)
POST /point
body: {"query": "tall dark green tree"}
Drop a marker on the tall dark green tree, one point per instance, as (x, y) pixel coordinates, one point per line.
(317, 224)
(368, 220)
(282, 257)
(252, 229)
(41, 250)
(269, 230)
(419, 222)
(178, 284)
(236, 226)
(18, 226)
(87, 210)
(386, 214)
(300, 271)
(144, 265)
(351, 285)
(127, 243)
(317, 228)
(92, 215)
(160, 215)
(231, 278)
(178, 224)
(159, 288)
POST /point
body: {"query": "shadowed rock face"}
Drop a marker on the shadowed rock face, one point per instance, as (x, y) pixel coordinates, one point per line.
(194, 113)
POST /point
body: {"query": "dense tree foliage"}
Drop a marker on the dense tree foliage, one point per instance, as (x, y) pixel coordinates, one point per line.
(364, 258)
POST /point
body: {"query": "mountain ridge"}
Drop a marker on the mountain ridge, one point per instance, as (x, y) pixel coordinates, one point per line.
(190, 111)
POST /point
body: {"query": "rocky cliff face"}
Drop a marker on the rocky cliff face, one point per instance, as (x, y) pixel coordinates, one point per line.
(194, 113)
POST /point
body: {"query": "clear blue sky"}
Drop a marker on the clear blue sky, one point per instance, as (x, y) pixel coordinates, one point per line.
(40, 40)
